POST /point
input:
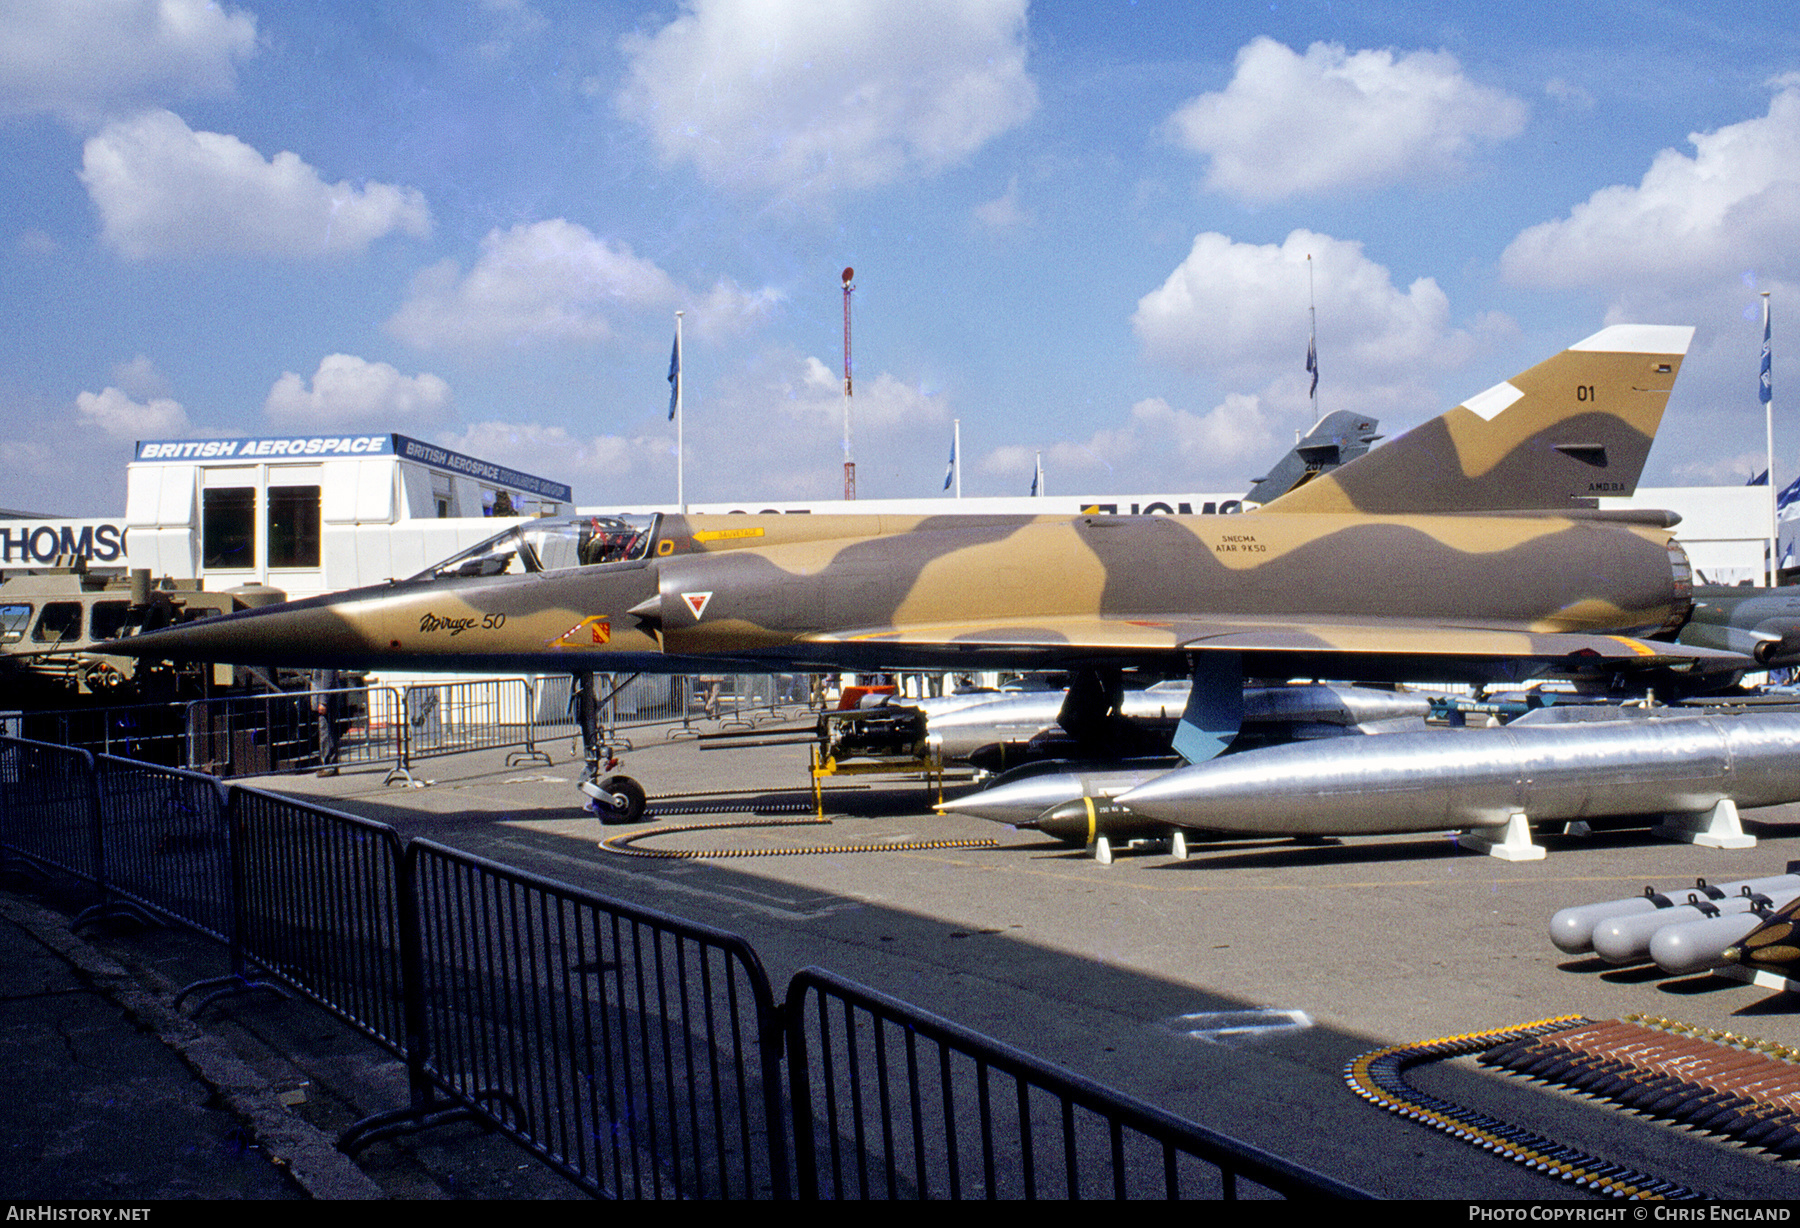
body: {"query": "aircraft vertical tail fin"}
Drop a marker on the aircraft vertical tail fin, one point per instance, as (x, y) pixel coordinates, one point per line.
(1335, 440)
(1571, 428)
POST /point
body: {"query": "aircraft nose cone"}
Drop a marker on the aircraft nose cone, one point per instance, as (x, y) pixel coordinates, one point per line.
(298, 635)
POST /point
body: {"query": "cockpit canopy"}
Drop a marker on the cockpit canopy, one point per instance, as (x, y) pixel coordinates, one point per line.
(550, 545)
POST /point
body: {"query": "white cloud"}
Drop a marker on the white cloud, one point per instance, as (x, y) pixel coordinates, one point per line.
(556, 281)
(1568, 95)
(1331, 120)
(349, 391)
(35, 242)
(512, 22)
(776, 432)
(612, 468)
(163, 189)
(1689, 229)
(120, 417)
(1003, 214)
(1693, 242)
(141, 378)
(772, 433)
(811, 394)
(84, 59)
(1159, 447)
(729, 309)
(1240, 310)
(1722, 470)
(1237, 312)
(802, 100)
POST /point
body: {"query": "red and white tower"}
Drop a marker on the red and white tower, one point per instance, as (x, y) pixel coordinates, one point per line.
(849, 456)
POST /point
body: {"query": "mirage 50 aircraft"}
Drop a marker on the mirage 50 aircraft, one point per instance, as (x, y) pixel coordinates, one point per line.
(1469, 549)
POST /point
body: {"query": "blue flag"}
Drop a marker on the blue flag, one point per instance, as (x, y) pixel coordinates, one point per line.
(1787, 503)
(1766, 390)
(1761, 479)
(1312, 364)
(674, 376)
(950, 469)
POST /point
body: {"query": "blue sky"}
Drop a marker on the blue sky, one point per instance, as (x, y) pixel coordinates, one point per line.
(1079, 228)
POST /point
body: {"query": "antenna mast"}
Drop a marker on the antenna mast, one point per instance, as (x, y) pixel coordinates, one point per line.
(849, 457)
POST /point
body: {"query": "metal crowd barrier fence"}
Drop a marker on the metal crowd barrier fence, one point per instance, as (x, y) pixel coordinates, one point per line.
(151, 733)
(890, 1101)
(235, 735)
(250, 735)
(281, 731)
(637, 1054)
(634, 700)
(451, 717)
(319, 908)
(50, 810)
(739, 701)
(648, 699)
(167, 843)
(627, 701)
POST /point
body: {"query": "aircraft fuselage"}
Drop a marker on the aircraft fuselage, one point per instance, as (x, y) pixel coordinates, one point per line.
(1430, 594)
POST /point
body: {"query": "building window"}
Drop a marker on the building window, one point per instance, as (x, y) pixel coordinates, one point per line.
(228, 529)
(293, 526)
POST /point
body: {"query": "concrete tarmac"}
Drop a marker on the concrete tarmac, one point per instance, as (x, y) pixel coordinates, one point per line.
(1231, 989)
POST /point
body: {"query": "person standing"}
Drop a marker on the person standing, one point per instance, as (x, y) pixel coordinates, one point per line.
(328, 707)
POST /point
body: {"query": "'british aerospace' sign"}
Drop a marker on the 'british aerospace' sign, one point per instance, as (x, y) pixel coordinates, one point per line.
(487, 471)
(261, 449)
(324, 447)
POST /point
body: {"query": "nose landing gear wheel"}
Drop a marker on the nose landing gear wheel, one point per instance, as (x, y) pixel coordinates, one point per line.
(617, 799)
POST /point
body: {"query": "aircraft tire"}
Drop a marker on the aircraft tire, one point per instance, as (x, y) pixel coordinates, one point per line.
(624, 802)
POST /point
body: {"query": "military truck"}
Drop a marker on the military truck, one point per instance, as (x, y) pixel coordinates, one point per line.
(57, 622)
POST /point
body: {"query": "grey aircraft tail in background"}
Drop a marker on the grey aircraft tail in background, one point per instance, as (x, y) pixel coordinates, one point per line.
(1335, 440)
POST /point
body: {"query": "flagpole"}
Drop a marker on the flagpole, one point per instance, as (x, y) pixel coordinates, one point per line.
(1312, 340)
(680, 424)
(1765, 390)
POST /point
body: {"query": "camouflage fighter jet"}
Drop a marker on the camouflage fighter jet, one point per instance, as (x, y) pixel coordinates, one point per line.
(1468, 549)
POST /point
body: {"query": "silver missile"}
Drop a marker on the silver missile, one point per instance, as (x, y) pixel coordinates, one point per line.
(1330, 703)
(958, 727)
(1021, 798)
(1408, 782)
(961, 729)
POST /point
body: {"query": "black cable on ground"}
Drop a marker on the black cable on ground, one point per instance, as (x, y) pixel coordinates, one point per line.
(624, 841)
